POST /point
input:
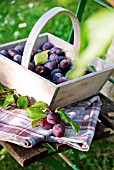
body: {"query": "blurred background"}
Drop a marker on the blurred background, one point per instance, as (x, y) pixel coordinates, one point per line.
(17, 18)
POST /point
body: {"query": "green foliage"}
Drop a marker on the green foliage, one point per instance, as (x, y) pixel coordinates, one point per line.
(41, 58)
(35, 122)
(75, 126)
(5, 103)
(92, 68)
(6, 96)
(3, 151)
(5, 90)
(53, 162)
(35, 113)
(20, 12)
(41, 105)
(10, 98)
(1, 89)
(97, 33)
(22, 102)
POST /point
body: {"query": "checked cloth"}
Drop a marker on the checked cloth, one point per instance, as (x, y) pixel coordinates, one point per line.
(15, 126)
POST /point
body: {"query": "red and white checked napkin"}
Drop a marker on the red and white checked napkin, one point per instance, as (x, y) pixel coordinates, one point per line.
(15, 126)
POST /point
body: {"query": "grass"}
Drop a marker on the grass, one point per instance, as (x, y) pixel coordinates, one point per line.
(13, 13)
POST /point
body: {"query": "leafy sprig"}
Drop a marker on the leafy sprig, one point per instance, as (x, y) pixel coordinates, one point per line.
(61, 112)
(41, 58)
(35, 111)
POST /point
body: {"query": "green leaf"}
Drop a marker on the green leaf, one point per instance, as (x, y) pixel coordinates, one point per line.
(97, 33)
(2, 98)
(6, 103)
(75, 126)
(41, 58)
(5, 90)
(41, 105)
(35, 113)
(1, 102)
(1, 89)
(35, 122)
(10, 90)
(92, 69)
(51, 161)
(10, 98)
(22, 102)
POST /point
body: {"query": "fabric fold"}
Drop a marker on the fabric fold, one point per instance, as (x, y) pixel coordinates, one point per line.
(15, 126)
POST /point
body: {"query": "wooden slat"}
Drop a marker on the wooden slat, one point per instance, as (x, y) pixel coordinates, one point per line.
(25, 156)
(60, 147)
(76, 90)
(101, 132)
(108, 106)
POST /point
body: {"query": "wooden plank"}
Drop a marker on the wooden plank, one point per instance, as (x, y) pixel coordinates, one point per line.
(101, 132)
(108, 106)
(80, 88)
(60, 147)
(25, 156)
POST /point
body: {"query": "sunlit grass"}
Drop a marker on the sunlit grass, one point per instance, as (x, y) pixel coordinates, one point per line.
(13, 13)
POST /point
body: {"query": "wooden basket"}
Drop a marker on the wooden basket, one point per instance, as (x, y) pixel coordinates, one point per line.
(29, 83)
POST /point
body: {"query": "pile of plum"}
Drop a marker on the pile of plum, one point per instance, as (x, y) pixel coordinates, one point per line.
(57, 65)
(14, 54)
(53, 121)
(54, 69)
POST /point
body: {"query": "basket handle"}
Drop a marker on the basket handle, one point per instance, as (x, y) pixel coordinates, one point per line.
(39, 26)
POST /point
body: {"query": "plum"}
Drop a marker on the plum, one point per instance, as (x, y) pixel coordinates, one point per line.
(64, 64)
(56, 50)
(56, 76)
(12, 53)
(17, 58)
(53, 118)
(4, 53)
(58, 130)
(47, 46)
(50, 65)
(40, 70)
(19, 49)
(31, 66)
(61, 80)
(45, 124)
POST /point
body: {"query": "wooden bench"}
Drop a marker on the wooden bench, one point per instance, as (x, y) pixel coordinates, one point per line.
(104, 129)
